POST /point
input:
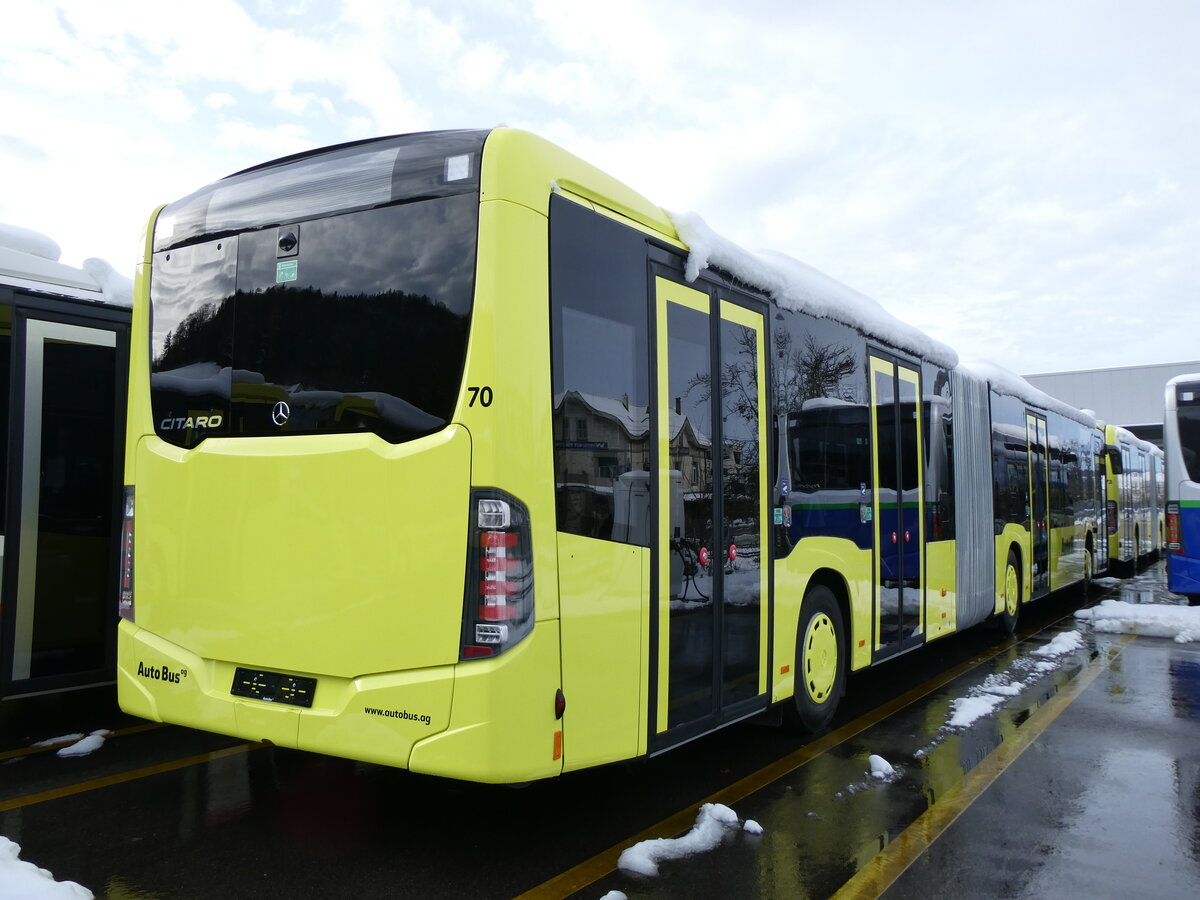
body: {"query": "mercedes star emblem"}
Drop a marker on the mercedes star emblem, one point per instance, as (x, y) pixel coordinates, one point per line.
(281, 413)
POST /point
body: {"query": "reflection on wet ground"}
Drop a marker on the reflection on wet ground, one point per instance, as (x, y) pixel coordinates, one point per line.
(1106, 800)
(1056, 822)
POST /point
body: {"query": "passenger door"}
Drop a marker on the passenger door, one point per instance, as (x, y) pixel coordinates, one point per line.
(1039, 502)
(712, 572)
(898, 501)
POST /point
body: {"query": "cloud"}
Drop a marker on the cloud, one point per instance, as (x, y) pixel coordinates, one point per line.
(974, 168)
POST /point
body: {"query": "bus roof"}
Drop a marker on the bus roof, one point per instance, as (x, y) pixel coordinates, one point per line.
(30, 261)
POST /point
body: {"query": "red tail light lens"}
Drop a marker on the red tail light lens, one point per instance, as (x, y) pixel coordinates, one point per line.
(498, 608)
(125, 588)
(1112, 516)
(1174, 538)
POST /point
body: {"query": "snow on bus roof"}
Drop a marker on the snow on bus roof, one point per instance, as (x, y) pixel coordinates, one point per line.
(1124, 434)
(797, 286)
(31, 260)
(1003, 381)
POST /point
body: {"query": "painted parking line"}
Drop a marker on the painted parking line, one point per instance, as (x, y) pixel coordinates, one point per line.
(58, 745)
(124, 777)
(889, 864)
(590, 871)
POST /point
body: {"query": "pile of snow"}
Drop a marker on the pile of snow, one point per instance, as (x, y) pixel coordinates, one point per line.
(714, 824)
(117, 289)
(880, 767)
(21, 880)
(78, 743)
(998, 689)
(86, 745)
(1180, 623)
(1067, 642)
(23, 240)
(34, 260)
(797, 286)
(1008, 383)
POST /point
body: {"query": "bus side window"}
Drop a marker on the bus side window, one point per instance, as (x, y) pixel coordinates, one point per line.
(600, 351)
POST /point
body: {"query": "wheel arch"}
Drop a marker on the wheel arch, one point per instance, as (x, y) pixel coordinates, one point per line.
(835, 581)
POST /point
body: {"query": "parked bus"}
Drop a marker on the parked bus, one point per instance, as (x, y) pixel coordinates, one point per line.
(1136, 499)
(64, 343)
(1181, 445)
(451, 452)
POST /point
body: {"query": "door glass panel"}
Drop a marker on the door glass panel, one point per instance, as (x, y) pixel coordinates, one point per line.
(1039, 519)
(887, 529)
(909, 538)
(742, 509)
(691, 515)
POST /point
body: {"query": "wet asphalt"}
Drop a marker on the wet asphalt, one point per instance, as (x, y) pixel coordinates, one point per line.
(1102, 801)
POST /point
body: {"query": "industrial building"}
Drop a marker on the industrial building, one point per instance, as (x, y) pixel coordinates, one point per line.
(1131, 396)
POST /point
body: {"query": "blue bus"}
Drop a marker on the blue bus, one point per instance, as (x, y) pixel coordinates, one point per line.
(1181, 441)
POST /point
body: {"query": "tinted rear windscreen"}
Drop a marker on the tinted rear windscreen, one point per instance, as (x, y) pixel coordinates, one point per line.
(1187, 404)
(347, 323)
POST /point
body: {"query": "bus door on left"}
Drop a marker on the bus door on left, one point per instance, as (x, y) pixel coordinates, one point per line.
(898, 502)
(1039, 502)
(713, 597)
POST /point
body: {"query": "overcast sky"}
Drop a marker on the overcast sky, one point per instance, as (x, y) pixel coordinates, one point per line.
(1019, 179)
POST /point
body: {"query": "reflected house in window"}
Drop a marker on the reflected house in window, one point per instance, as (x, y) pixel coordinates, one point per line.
(691, 455)
(596, 441)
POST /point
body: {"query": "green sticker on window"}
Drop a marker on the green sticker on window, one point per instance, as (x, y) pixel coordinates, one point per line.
(287, 270)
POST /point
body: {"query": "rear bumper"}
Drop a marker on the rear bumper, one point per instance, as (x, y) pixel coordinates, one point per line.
(484, 720)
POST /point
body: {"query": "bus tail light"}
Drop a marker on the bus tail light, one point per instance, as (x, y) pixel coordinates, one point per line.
(1174, 538)
(1112, 516)
(125, 588)
(498, 608)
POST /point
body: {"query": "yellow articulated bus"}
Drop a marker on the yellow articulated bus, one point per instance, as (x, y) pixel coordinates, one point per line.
(1136, 498)
(447, 451)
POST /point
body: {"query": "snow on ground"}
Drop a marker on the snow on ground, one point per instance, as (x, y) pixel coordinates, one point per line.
(1181, 623)
(1061, 645)
(996, 690)
(61, 739)
(22, 880)
(85, 745)
(715, 823)
(880, 767)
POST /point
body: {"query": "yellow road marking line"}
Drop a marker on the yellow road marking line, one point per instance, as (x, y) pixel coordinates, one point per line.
(592, 870)
(30, 751)
(890, 863)
(122, 777)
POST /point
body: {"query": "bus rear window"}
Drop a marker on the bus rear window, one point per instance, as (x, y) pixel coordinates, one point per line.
(355, 322)
(1187, 403)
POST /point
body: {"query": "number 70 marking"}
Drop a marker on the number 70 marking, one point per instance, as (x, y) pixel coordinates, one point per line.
(481, 395)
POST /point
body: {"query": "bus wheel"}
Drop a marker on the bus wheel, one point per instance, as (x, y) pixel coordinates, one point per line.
(1012, 595)
(820, 661)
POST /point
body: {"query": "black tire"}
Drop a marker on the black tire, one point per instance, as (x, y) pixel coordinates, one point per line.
(820, 662)
(1006, 620)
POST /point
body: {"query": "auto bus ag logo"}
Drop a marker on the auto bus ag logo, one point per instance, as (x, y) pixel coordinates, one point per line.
(161, 673)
